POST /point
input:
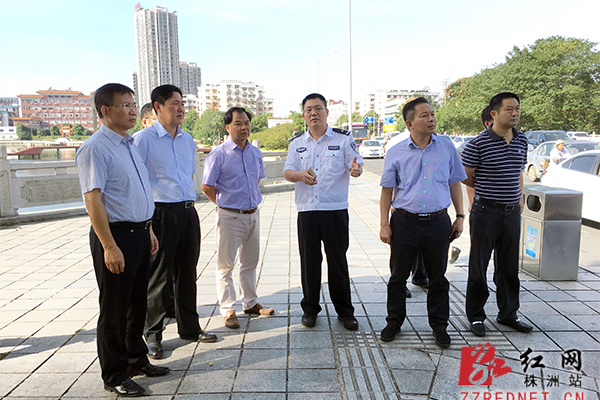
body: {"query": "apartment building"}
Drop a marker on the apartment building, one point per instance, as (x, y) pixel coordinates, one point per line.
(56, 107)
(233, 93)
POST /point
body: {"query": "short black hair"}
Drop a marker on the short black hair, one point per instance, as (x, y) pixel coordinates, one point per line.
(496, 101)
(163, 93)
(408, 110)
(314, 96)
(486, 116)
(105, 95)
(228, 117)
(146, 110)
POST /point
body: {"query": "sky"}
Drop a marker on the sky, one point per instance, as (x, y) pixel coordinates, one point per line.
(396, 44)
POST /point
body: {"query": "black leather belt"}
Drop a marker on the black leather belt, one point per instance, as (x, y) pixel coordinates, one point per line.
(131, 225)
(181, 204)
(235, 210)
(421, 216)
(495, 204)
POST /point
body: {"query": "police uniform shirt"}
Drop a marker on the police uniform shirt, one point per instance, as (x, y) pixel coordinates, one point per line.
(330, 158)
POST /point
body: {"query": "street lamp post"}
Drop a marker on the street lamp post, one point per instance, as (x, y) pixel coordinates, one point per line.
(319, 59)
(351, 105)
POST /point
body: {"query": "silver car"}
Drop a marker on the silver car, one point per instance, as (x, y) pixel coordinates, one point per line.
(538, 159)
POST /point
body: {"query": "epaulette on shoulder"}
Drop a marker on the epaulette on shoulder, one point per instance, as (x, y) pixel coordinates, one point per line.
(295, 137)
(342, 131)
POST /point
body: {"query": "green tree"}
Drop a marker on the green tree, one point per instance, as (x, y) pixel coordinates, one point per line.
(260, 123)
(78, 130)
(210, 127)
(298, 124)
(344, 118)
(54, 130)
(557, 78)
(189, 122)
(276, 138)
(23, 132)
(371, 113)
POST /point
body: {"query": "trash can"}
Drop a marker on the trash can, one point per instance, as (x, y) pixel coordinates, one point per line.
(551, 232)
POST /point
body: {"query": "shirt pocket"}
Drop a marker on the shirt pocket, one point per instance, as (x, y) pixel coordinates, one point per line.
(253, 170)
(334, 160)
(304, 159)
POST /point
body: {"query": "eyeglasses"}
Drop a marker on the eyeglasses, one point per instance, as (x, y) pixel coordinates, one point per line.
(308, 110)
(126, 106)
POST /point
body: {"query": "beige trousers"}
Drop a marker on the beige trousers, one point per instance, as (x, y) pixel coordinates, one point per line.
(237, 231)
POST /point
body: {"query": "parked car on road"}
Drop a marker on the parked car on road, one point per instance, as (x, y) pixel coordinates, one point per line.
(538, 159)
(579, 135)
(537, 137)
(371, 148)
(581, 173)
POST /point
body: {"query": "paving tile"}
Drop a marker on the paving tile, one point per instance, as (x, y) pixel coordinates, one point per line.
(202, 381)
(65, 362)
(9, 381)
(412, 381)
(89, 386)
(311, 358)
(310, 339)
(53, 385)
(23, 363)
(219, 359)
(321, 380)
(264, 359)
(258, 396)
(266, 340)
(269, 381)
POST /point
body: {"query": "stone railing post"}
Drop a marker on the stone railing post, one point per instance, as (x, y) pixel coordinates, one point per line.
(6, 208)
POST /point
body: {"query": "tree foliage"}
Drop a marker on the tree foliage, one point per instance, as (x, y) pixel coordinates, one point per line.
(298, 124)
(23, 132)
(344, 118)
(189, 122)
(210, 127)
(54, 130)
(79, 130)
(371, 113)
(276, 138)
(260, 123)
(557, 78)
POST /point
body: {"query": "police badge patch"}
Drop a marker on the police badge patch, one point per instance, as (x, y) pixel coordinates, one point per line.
(301, 149)
(353, 145)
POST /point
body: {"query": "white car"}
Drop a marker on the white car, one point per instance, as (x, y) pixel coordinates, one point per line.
(371, 148)
(580, 173)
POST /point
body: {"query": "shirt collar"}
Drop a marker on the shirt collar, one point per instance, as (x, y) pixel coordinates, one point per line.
(161, 131)
(231, 145)
(328, 132)
(494, 136)
(113, 136)
(409, 141)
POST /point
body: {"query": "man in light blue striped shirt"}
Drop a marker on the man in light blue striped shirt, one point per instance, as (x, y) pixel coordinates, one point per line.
(116, 191)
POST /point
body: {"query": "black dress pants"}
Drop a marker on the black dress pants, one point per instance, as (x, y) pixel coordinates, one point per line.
(331, 228)
(122, 302)
(177, 229)
(431, 239)
(498, 230)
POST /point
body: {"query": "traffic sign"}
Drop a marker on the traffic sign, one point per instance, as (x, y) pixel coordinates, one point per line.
(368, 120)
(389, 120)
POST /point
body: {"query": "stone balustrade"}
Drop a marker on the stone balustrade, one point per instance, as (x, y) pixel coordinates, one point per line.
(46, 183)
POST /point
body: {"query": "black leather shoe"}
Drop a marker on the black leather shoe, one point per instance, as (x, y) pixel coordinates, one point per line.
(478, 328)
(389, 332)
(442, 339)
(350, 323)
(126, 389)
(155, 350)
(148, 370)
(309, 320)
(515, 324)
(408, 294)
(203, 337)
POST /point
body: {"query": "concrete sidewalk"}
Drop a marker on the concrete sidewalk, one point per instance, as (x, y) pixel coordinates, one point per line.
(49, 306)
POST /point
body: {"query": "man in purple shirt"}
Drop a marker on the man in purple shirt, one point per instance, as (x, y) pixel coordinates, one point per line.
(231, 175)
(423, 173)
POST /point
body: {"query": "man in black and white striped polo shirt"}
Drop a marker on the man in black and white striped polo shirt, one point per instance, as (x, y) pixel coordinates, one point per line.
(494, 162)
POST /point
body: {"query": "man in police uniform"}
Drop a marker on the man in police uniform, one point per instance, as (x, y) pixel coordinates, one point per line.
(320, 161)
